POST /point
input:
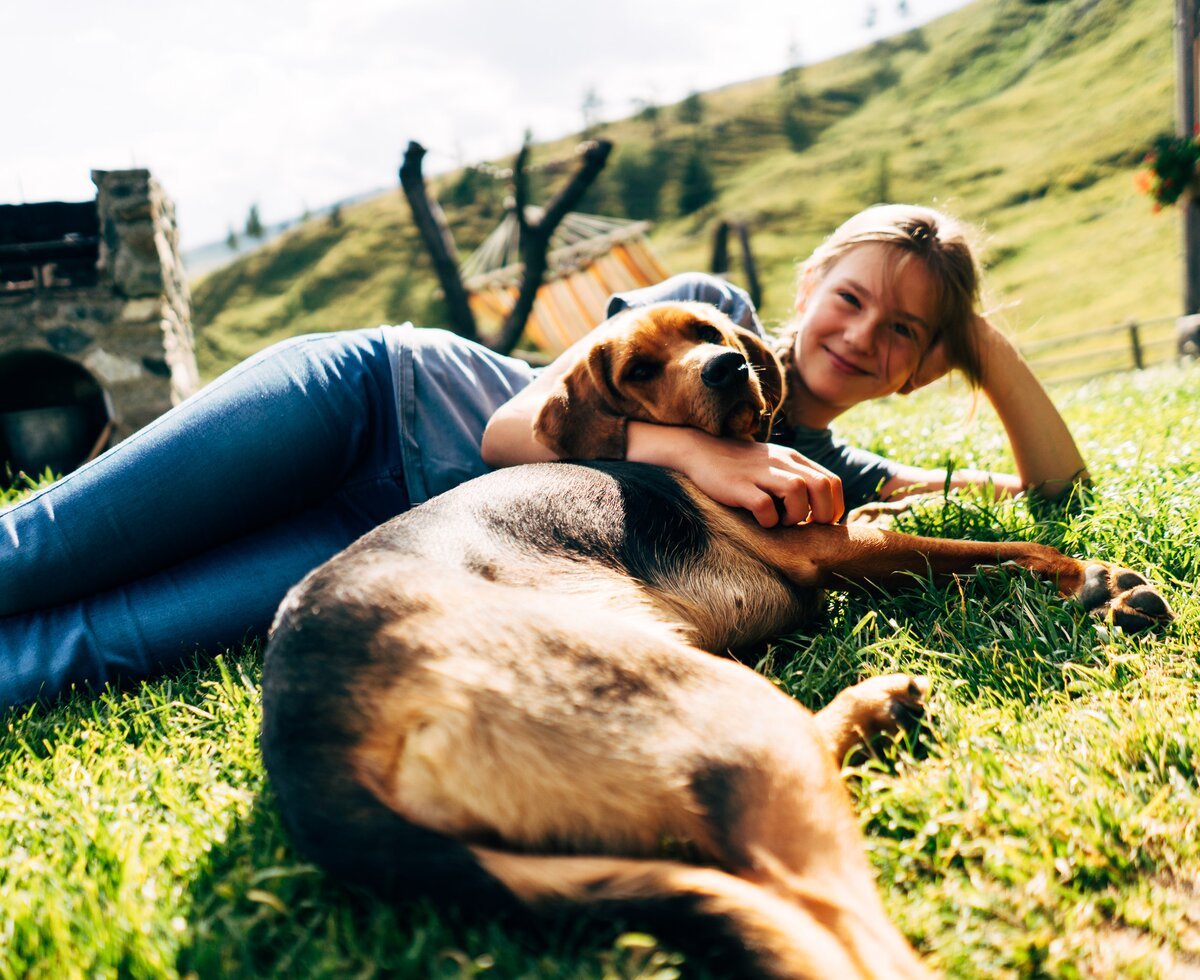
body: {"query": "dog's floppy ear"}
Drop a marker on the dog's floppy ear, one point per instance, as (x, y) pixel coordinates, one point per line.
(770, 377)
(581, 417)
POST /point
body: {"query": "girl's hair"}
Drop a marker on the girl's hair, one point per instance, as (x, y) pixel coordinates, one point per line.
(940, 242)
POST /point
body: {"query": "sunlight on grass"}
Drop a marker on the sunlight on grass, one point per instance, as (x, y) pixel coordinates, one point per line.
(1050, 827)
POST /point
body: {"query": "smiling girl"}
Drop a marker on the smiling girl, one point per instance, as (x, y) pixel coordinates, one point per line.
(886, 305)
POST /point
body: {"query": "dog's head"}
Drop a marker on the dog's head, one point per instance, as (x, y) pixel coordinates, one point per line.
(671, 363)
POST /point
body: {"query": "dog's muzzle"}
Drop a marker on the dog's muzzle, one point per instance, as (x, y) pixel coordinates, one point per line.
(726, 370)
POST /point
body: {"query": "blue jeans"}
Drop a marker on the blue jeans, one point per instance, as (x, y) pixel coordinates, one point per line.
(188, 534)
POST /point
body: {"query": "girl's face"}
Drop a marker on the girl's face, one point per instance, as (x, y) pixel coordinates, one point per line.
(863, 330)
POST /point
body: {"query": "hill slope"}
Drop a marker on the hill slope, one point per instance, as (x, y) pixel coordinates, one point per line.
(1028, 119)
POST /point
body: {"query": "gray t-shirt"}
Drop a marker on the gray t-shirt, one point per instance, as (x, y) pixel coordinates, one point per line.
(446, 390)
(861, 472)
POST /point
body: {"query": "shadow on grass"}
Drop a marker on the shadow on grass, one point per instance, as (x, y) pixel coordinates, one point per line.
(258, 910)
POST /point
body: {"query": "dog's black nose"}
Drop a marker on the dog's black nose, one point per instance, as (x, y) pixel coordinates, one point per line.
(725, 370)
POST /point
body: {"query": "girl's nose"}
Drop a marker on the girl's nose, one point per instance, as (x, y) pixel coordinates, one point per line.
(861, 332)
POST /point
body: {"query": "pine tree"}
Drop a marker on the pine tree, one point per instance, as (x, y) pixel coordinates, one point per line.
(691, 109)
(696, 186)
(591, 108)
(254, 225)
(638, 178)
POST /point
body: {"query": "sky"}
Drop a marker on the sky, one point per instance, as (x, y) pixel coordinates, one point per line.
(295, 104)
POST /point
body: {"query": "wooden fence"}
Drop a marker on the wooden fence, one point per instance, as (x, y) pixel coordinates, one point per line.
(1132, 345)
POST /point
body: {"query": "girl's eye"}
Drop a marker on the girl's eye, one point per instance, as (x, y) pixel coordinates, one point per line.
(709, 334)
(642, 371)
(904, 330)
(850, 298)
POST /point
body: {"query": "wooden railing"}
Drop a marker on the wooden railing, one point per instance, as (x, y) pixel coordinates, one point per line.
(1135, 344)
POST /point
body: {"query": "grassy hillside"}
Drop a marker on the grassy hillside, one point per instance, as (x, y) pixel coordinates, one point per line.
(1028, 119)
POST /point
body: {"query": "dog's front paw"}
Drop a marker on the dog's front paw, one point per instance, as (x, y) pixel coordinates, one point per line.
(1122, 598)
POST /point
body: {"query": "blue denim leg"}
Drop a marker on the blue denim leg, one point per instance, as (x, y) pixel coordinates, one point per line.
(191, 530)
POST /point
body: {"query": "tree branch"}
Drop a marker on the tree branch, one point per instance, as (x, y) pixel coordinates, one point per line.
(535, 236)
(435, 233)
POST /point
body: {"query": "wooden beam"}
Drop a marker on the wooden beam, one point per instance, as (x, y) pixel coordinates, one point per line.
(1186, 125)
(435, 233)
(749, 267)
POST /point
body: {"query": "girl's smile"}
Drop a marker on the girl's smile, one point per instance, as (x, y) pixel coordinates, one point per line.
(841, 364)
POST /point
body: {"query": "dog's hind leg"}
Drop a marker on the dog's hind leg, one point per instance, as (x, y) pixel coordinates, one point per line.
(884, 705)
(740, 776)
(747, 930)
(601, 735)
(777, 815)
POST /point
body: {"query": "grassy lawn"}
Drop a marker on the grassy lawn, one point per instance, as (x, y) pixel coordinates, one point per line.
(1052, 828)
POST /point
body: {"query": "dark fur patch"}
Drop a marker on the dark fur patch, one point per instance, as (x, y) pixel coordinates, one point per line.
(610, 682)
(719, 789)
(663, 526)
(1097, 589)
(631, 517)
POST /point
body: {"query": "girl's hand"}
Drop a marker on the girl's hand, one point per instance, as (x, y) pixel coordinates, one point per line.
(776, 484)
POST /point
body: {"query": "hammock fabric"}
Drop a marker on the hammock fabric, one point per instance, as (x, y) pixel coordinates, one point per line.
(590, 258)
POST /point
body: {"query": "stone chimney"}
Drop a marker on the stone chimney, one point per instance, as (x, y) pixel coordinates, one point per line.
(95, 322)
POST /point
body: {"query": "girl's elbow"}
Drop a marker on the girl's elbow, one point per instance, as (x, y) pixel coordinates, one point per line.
(492, 446)
(1061, 489)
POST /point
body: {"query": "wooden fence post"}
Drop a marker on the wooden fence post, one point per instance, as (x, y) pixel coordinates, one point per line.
(748, 265)
(1186, 28)
(720, 256)
(720, 249)
(1135, 346)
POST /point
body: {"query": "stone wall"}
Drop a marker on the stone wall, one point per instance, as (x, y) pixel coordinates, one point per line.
(131, 330)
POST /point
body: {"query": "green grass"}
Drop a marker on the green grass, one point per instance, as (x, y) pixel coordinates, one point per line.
(1026, 119)
(1052, 828)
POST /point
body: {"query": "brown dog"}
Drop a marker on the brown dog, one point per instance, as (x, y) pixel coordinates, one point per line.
(507, 696)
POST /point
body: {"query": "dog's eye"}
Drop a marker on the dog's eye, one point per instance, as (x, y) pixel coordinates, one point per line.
(642, 371)
(709, 334)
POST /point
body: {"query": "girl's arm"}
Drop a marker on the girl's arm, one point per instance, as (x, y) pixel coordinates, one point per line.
(1046, 455)
(776, 484)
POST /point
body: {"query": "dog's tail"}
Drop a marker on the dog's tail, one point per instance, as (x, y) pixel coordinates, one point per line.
(749, 930)
(741, 928)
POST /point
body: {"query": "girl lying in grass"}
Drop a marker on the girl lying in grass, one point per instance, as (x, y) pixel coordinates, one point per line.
(886, 304)
(189, 533)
